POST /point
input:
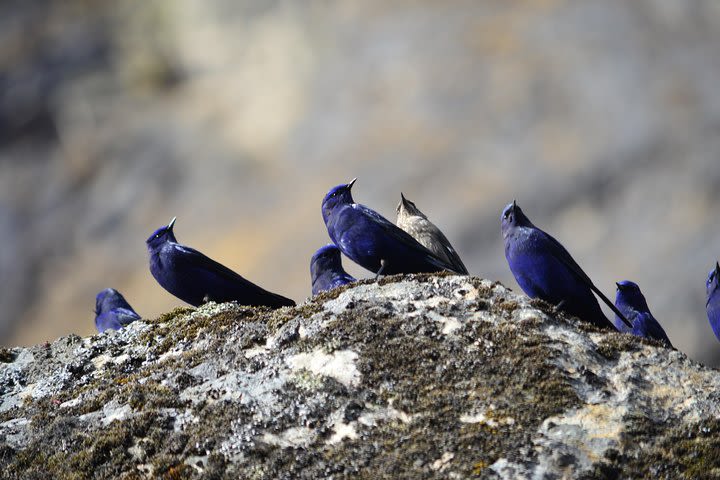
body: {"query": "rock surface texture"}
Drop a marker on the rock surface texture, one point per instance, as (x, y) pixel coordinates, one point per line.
(412, 377)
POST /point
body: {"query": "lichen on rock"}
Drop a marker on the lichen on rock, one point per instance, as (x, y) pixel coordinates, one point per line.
(419, 376)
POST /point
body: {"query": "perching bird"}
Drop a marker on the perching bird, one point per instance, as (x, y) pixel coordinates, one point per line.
(414, 222)
(370, 240)
(197, 279)
(544, 269)
(326, 271)
(713, 299)
(631, 302)
(112, 311)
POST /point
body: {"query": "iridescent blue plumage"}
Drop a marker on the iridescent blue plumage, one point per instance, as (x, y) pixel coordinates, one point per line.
(197, 279)
(631, 302)
(326, 271)
(544, 269)
(373, 242)
(112, 311)
(712, 305)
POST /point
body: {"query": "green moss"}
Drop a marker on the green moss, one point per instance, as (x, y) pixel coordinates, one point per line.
(102, 454)
(307, 381)
(276, 319)
(26, 461)
(185, 325)
(545, 307)
(152, 395)
(614, 344)
(7, 355)
(171, 315)
(657, 450)
(167, 468)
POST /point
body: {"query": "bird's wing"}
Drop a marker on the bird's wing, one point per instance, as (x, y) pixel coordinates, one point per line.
(195, 260)
(125, 316)
(564, 256)
(405, 238)
(642, 324)
(452, 254)
(646, 325)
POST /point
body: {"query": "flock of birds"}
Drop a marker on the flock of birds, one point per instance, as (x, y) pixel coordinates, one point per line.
(541, 265)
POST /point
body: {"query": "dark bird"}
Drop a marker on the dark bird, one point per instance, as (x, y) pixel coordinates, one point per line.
(372, 241)
(197, 279)
(414, 222)
(713, 299)
(112, 311)
(326, 271)
(631, 302)
(544, 269)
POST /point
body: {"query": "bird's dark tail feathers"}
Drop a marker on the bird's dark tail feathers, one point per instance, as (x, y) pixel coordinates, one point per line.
(585, 279)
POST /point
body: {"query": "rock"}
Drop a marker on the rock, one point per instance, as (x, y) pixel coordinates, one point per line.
(424, 376)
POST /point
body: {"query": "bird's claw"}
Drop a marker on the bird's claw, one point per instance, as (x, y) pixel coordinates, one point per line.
(379, 272)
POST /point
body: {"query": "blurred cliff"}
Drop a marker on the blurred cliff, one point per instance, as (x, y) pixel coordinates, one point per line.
(601, 118)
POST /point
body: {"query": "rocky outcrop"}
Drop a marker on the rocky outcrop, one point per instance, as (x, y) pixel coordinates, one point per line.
(411, 377)
(602, 118)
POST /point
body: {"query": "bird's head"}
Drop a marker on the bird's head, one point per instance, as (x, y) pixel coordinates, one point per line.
(512, 216)
(109, 299)
(712, 281)
(162, 235)
(326, 258)
(628, 293)
(407, 208)
(339, 195)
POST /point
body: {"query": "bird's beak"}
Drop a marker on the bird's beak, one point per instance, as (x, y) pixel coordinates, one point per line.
(172, 222)
(717, 268)
(618, 285)
(352, 182)
(514, 204)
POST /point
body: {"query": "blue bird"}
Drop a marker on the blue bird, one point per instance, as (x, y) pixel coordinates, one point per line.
(631, 302)
(713, 299)
(544, 269)
(197, 279)
(112, 311)
(373, 242)
(326, 271)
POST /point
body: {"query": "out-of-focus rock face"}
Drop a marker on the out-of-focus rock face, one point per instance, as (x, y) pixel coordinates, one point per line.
(601, 118)
(414, 377)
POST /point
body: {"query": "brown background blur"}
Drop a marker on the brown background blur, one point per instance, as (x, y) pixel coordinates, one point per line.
(601, 117)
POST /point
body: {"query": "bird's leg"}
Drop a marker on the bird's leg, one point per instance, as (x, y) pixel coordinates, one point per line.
(206, 298)
(382, 267)
(559, 306)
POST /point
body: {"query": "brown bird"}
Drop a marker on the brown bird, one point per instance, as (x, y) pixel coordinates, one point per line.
(414, 222)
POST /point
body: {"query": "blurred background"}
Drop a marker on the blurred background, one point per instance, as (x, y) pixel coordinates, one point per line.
(601, 117)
